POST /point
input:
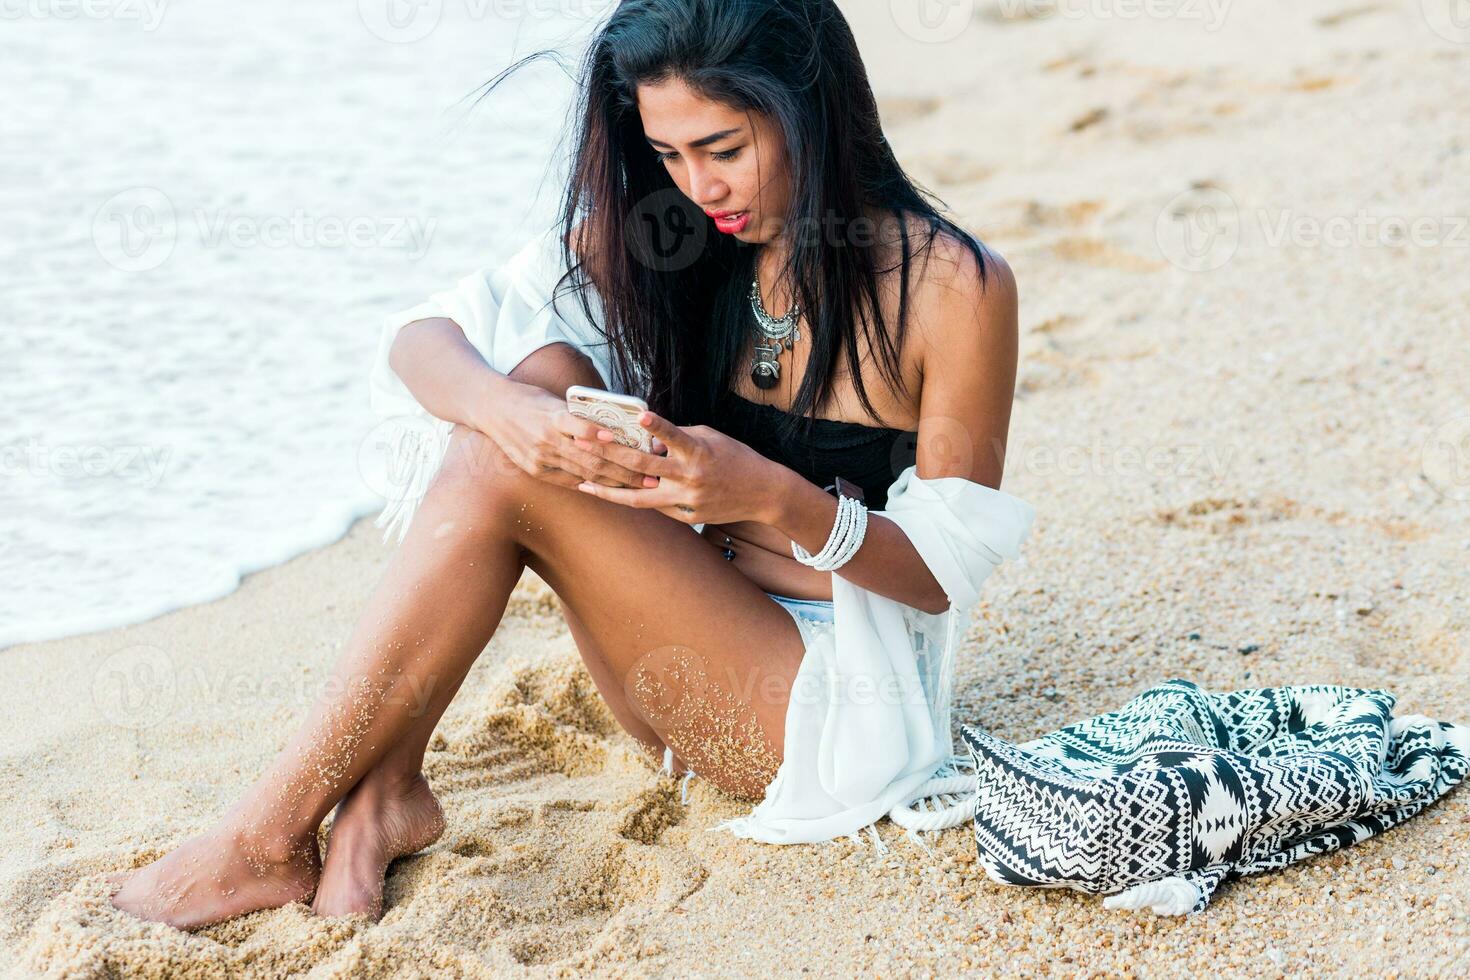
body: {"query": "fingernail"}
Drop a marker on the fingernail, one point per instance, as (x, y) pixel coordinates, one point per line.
(585, 486)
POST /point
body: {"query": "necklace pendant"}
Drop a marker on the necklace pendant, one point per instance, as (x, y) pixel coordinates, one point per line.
(766, 371)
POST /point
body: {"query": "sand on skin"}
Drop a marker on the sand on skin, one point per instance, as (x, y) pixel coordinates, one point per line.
(1237, 454)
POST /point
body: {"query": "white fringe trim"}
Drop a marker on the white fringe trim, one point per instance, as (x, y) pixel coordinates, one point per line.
(950, 784)
(415, 447)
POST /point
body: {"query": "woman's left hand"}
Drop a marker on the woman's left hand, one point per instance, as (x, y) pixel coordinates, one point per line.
(704, 477)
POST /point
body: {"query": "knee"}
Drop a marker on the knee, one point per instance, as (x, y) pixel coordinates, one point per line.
(477, 475)
(556, 367)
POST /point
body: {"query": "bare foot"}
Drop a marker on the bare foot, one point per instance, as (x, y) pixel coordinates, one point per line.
(380, 820)
(217, 876)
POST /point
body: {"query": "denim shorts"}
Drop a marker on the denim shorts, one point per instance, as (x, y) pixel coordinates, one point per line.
(807, 613)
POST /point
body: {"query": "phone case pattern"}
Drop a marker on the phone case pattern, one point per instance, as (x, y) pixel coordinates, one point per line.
(622, 422)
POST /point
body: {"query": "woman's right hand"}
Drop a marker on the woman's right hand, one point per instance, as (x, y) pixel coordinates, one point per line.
(534, 429)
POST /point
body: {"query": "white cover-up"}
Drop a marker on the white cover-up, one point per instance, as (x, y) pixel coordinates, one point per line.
(868, 728)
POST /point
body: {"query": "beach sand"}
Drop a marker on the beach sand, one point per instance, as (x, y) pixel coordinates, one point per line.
(1260, 453)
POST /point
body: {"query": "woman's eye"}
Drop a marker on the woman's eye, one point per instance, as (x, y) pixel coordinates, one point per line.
(724, 156)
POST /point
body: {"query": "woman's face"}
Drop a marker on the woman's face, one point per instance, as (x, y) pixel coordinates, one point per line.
(723, 159)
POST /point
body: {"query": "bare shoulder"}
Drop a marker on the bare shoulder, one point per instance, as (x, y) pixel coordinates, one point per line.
(966, 311)
(964, 306)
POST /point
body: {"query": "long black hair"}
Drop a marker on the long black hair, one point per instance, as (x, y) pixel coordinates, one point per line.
(673, 292)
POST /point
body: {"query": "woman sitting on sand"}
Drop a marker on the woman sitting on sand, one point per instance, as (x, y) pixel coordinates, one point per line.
(749, 128)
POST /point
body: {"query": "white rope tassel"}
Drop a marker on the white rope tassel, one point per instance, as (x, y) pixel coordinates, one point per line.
(955, 791)
(1167, 896)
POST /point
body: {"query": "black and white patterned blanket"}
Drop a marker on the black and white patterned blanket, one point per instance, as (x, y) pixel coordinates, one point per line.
(1182, 790)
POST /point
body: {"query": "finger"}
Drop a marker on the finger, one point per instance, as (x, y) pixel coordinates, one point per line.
(594, 467)
(640, 499)
(634, 459)
(673, 436)
(560, 478)
(577, 427)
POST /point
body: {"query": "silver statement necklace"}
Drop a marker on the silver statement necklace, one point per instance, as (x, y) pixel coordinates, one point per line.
(765, 371)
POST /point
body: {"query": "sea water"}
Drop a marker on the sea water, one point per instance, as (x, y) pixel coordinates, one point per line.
(208, 209)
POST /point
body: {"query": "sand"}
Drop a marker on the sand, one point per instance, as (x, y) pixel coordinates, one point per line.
(1258, 454)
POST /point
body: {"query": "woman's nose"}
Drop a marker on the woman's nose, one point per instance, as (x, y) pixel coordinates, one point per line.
(705, 187)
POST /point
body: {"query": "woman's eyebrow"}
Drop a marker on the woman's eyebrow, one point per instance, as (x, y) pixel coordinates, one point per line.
(702, 141)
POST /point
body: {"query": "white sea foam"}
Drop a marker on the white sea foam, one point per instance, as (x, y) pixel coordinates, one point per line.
(209, 207)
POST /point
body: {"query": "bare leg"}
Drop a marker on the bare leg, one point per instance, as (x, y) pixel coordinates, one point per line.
(392, 812)
(436, 607)
(693, 642)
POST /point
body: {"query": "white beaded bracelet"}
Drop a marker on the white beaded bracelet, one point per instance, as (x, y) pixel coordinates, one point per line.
(847, 535)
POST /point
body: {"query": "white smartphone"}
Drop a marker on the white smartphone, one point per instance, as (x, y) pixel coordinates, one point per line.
(618, 413)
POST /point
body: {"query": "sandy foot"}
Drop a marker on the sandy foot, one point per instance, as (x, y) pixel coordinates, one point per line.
(376, 823)
(217, 876)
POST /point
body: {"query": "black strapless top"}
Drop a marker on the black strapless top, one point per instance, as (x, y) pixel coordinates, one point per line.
(868, 455)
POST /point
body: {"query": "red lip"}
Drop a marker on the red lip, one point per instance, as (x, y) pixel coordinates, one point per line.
(723, 214)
